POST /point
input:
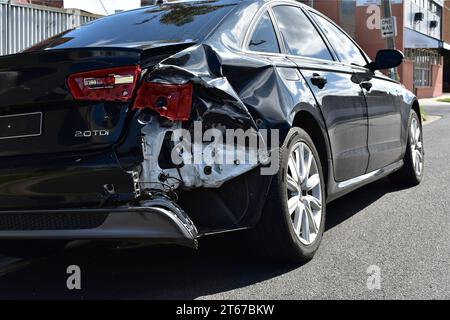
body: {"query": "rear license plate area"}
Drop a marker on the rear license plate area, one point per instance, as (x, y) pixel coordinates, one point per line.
(21, 125)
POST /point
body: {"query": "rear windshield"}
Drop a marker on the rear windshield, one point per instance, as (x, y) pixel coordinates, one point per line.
(179, 22)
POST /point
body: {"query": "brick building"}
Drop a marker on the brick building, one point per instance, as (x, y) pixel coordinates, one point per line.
(446, 46)
(47, 3)
(420, 26)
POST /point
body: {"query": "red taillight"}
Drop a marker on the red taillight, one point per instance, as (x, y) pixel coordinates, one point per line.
(115, 84)
(173, 101)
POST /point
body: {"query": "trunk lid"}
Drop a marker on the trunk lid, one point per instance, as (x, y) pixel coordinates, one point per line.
(38, 113)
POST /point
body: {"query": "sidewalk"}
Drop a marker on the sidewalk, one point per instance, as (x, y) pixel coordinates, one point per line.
(432, 101)
(433, 109)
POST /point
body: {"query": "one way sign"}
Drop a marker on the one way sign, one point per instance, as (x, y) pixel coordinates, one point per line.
(389, 27)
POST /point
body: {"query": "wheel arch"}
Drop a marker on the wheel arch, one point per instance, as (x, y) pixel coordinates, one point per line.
(317, 131)
(416, 107)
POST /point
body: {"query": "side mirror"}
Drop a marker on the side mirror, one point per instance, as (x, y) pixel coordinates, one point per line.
(386, 59)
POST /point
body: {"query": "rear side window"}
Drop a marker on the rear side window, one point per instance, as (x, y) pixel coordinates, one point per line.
(299, 35)
(264, 38)
(168, 23)
(347, 51)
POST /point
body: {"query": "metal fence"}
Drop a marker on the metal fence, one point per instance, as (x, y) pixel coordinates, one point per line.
(23, 25)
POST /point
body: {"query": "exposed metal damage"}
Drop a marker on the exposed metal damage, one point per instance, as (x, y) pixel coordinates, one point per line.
(217, 108)
(187, 176)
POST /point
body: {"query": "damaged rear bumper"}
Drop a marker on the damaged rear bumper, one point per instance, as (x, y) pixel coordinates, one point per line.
(155, 221)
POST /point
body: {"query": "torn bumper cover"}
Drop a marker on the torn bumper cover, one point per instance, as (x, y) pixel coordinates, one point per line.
(155, 221)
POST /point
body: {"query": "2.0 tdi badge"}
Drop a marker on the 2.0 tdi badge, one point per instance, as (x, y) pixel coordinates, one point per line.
(91, 133)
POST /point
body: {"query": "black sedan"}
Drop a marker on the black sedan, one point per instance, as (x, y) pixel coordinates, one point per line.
(181, 120)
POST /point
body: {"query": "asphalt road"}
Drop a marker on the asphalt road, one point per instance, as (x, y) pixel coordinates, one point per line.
(406, 233)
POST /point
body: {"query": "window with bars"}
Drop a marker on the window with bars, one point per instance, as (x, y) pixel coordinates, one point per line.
(423, 61)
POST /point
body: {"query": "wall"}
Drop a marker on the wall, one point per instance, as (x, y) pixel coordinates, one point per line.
(446, 34)
(436, 89)
(330, 8)
(371, 40)
(446, 37)
(48, 3)
(23, 25)
(406, 72)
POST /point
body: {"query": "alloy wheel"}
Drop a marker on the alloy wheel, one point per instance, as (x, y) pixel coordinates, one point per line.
(416, 143)
(304, 193)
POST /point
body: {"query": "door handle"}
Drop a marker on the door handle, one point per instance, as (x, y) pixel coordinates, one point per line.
(366, 85)
(318, 80)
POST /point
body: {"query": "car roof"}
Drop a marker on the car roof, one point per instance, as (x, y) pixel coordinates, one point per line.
(224, 2)
(199, 2)
(216, 2)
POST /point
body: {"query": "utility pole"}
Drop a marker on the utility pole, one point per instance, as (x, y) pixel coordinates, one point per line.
(390, 41)
(101, 2)
(388, 14)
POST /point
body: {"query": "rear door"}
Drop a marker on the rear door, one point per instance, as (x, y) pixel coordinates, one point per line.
(382, 98)
(338, 95)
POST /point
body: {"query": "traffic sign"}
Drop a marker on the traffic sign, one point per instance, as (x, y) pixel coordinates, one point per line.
(389, 27)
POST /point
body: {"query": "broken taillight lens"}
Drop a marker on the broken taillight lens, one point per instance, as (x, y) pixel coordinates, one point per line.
(172, 101)
(114, 84)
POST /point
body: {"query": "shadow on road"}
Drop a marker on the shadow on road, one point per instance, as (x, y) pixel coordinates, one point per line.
(347, 206)
(163, 272)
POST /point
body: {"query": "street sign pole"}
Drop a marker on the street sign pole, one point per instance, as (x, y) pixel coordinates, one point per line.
(388, 14)
(390, 41)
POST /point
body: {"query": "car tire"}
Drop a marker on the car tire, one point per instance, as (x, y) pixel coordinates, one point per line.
(411, 174)
(283, 234)
(30, 249)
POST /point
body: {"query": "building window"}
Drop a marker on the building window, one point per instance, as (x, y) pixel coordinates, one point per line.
(423, 60)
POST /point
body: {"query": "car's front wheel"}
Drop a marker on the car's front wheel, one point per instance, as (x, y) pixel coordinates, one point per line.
(293, 220)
